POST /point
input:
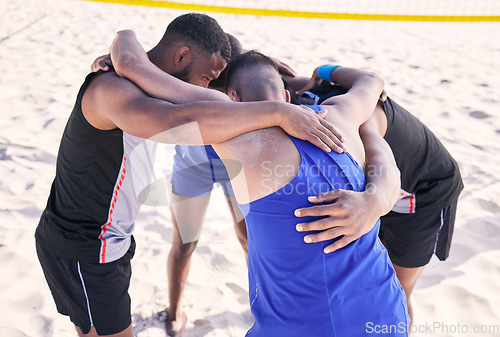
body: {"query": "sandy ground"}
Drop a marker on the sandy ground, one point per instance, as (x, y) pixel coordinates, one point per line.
(447, 74)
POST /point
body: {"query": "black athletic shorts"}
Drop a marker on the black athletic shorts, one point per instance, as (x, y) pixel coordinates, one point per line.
(412, 239)
(91, 294)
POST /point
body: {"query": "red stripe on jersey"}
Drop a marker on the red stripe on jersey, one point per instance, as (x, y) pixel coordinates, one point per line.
(110, 221)
(412, 203)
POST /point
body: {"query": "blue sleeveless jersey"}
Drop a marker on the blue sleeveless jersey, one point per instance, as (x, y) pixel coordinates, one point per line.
(297, 290)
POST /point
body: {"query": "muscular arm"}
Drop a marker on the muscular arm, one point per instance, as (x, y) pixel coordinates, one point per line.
(353, 108)
(113, 102)
(364, 89)
(229, 119)
(383, 180)
(131, 61)
(352, 214)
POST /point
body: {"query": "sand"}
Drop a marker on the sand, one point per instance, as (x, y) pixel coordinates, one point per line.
(447, 74)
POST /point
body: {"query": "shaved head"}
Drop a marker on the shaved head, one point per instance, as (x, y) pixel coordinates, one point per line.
(254, 77)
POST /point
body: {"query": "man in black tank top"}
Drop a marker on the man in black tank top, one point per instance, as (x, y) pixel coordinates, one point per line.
(84, 237)
(421, 222)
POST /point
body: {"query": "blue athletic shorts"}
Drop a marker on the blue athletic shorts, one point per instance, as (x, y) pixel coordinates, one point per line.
(196, 169)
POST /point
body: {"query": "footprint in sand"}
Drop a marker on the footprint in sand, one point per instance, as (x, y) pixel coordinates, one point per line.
(489, 205)
(479, 114)
(202, 323)
(203, 250)
(47, 123)
(5, 156)
(239, 291)
(201, 327)
(219, 261)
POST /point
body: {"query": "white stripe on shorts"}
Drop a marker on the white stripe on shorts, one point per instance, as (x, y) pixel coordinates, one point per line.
(437, 235)
(86, 296)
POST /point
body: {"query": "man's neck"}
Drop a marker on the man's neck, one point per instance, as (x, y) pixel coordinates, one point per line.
(157, 56)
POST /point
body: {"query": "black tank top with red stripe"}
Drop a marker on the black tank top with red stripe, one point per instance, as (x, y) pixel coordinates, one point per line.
(93, 202)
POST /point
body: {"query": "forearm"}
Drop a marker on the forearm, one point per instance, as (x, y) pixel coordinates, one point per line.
(156, 83)
(382, 175)
(131, 61)
(226, 120)
(114, 102)
(364, 90)
(296, 82)
(383, 183)
(348, 77)
(201, 123)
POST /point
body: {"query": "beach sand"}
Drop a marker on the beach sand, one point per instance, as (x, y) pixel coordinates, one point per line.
(447, 74)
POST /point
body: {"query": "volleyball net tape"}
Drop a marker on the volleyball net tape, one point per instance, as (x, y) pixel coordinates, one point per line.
(463, 11)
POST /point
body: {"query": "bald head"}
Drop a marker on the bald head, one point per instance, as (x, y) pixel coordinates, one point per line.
(254, 77)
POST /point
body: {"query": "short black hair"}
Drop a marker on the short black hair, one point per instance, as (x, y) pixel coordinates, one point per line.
(199, 31)
(236, 49)
(245, 60)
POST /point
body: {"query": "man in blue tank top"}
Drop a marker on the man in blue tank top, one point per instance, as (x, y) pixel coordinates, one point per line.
(198, 169)
(421, 222)
(295, 290)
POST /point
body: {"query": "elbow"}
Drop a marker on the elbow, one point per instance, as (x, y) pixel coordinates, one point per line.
(123, 59)
(124, 33)
(124, 62)
(377, 80)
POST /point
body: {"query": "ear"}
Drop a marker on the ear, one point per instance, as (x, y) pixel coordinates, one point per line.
(287, 96)
(182, 55)
(233, 94)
